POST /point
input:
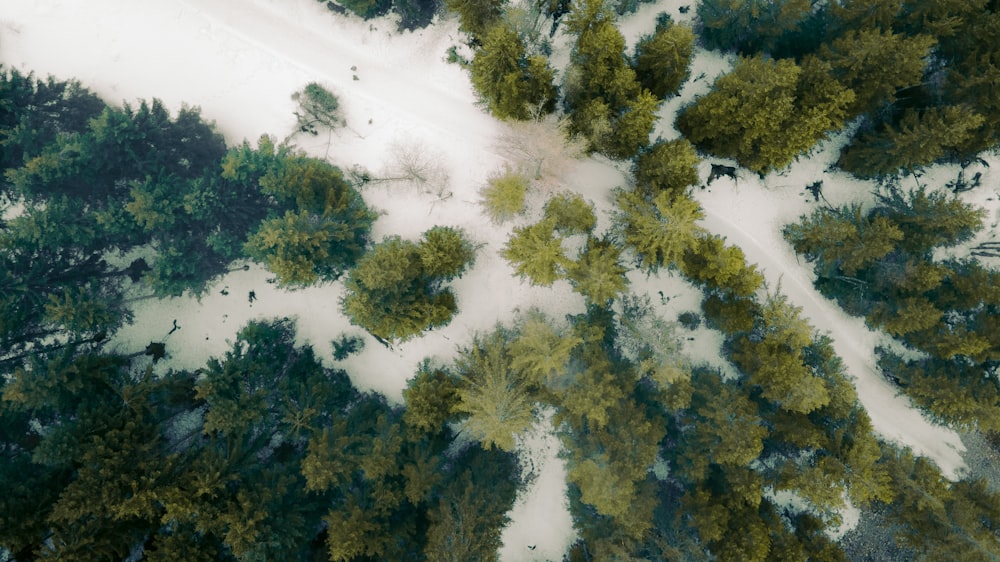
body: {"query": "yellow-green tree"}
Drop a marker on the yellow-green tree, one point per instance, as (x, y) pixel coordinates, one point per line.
(492, 394)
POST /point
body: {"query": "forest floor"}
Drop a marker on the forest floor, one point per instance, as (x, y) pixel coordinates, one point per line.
(406, 105)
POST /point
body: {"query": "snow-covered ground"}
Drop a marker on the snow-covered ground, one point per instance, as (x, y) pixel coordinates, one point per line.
(241, 60)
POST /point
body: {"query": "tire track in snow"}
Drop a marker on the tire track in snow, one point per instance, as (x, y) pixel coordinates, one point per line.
(893, 416)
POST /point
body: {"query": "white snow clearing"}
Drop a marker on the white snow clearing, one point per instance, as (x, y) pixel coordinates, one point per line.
(240, 62)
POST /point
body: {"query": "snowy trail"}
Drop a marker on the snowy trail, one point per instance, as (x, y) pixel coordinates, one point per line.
(429, 106)
(893, 416)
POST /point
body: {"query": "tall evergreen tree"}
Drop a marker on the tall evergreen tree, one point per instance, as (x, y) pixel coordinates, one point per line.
(609, 106)
(660, 231)
(754, 114)
(570, 214)
(876, 64)
(536, 253)
(492, 394)
(396, 290)
(667, 166)
(920, 138)
(749, 26)
(843, 240)
(597, 274)
(662, 59)
(513, 85)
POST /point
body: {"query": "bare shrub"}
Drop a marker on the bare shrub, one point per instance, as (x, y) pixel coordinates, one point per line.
(543, 149)
(415, 164)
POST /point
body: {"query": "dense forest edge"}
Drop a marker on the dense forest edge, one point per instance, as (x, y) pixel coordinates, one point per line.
(267, 453)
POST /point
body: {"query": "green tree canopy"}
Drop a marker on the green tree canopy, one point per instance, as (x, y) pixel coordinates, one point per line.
(396, 290)
(492, 395)
(765, 113)
(662, 59)
(876, 64)
(749, 26)
(609, 106)
(325, 225)
(658, 231)
(670, 166)
(318, 106)
(920, 138)
(513, 84)
(503, 195)
(597, 273)
(536, 253)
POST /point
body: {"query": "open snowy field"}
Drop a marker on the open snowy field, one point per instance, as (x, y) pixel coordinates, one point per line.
(241, 61)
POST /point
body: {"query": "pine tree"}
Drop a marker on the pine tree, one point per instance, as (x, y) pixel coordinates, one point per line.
(597, 274)
(536, 253)
(245, 166)
(317, 105)
(662, 59)
(920, 138)
(721, 426)
(753, 114)
(34, 113)
(541, 353)
(155, 205)
(749, 26)
(85, 312)
(513, 85)
(863, 14)
(264, 385)
(631, 128)
(591, 395)
(939, 521)
(320, 224)
(570, 213)
(973, 69)
(430, 398)
(876, 64)
(492, 394)
(466, 520)
(309, 184)
(299, 248)
(445, 253)
(476, 16)
(844, 240)
(609, 106)
(670, 166)
(610, 466)
(930, 219)
(907, 315)
(395, 291)
(720, 267)
(661, 231)
(775, 362)
(952, 389)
